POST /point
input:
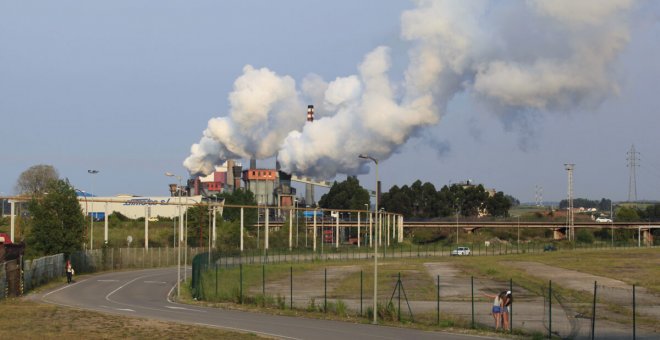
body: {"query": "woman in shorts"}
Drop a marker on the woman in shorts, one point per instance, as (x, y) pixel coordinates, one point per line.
(496, 310)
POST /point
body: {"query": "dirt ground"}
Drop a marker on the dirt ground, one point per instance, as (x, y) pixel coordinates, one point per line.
(530, 311)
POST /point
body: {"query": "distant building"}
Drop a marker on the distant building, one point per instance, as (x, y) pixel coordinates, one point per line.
(225, 178)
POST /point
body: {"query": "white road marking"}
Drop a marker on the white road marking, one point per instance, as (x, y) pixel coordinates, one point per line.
(125, 309)
(107, 280)
(159, 282)
(188, 309)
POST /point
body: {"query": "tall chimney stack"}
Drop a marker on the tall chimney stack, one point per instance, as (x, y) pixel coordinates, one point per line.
(310, 113)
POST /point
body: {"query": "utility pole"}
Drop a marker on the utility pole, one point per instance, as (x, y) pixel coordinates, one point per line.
(569, 216)
(633, 159)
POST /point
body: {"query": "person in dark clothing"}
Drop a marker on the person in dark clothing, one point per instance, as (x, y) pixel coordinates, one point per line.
(69, 271)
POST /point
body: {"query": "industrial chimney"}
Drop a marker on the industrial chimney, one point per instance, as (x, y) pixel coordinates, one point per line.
(310, 113)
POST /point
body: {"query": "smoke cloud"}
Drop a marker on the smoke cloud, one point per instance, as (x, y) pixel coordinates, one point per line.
(538, 55)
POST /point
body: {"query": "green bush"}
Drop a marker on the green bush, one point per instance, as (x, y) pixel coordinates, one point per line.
(585, 236)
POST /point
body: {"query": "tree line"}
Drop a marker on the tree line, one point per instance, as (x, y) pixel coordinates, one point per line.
(422, 200)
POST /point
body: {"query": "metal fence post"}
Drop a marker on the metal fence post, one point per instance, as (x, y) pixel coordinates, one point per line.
(511, 311)
(325, 291)
(549, 309)
(399, 284)
(241, 283)
(263, 281)
(472, 298)
(216, 281)
(593, 314)
(633, 312)
(361, 272)
(291, 283)
(438, 301)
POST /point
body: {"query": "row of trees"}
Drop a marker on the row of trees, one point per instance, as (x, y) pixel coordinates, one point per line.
(421, 200)
(424, 201)
(632, 213)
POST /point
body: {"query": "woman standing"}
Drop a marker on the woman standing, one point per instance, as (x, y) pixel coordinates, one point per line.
(69, 271)
(496, 310)
(507, 299)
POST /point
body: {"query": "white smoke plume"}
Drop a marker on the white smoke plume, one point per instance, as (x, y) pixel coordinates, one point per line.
(537, 55)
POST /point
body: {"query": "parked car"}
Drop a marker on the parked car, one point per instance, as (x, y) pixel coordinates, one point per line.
(460, 251)
(604, 220)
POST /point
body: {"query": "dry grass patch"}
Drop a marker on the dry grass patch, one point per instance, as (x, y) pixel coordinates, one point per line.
(22, 319)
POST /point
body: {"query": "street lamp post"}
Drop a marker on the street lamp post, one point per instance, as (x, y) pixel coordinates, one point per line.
(366, 206)
(91, 219)
(457, 225)
(375, 310)
(296, 206)
(178, 272)
(518, 242)
(612, 223)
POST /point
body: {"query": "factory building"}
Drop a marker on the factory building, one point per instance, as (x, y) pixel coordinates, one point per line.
(271, 187)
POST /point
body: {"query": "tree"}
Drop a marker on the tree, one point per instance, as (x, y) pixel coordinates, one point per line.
(34, 180)
(498, 205)
(627, 214)
(239, 197)
(652, 212)
(345, 195)
(514, 201)
(57, 222)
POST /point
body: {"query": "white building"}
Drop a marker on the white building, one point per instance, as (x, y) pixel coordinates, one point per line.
(135, 207)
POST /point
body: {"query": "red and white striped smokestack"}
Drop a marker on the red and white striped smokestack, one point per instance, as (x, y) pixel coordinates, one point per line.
(310, 113)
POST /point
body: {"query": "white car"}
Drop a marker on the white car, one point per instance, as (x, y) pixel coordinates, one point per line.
(460, 251)
(604, 220)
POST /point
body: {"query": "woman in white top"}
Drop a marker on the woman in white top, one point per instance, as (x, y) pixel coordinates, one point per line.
(496, 311)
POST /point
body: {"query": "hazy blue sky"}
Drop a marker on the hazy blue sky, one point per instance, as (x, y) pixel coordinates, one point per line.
(126, 87)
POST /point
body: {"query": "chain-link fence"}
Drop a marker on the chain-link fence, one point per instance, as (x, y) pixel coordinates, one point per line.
(608, 310)
(19, 276)
(130, 258)
(428, 292)
(42, 270)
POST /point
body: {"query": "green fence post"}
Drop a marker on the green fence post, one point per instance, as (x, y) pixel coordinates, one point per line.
(399, 297)
(438, 301)
(511, 311)
(241, 283)
(634, 307)
(362, 291)
(593, 314)
(216, 281)
(472, 293)
(325, 291)
(550, 309)
(263, 281)
(291, 283)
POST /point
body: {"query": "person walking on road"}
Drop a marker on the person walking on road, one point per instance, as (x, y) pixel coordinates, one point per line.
(507, 300)
(496, 310)
(69, 271)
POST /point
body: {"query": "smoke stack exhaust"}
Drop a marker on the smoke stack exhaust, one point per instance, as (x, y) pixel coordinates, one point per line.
(310, 113)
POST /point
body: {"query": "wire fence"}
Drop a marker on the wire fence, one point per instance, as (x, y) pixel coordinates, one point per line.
(42, 270)
(105, 259)
(426, 292)
(19, 276)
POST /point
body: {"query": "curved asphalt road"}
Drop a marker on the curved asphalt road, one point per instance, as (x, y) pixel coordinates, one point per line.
(145, 293)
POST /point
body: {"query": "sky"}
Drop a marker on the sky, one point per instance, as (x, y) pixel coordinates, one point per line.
(502, 94)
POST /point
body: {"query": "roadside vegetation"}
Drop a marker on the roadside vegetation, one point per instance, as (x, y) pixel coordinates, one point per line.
(20, 316)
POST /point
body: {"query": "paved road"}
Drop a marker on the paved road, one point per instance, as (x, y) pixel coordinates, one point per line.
(144, 293)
